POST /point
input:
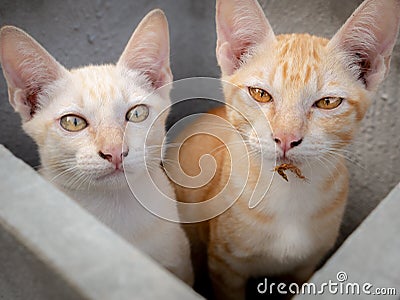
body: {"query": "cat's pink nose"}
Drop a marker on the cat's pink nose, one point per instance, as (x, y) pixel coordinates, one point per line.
(287, 141)
(114, 155)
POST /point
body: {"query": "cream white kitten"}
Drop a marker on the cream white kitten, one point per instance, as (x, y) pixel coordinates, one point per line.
(78, 119)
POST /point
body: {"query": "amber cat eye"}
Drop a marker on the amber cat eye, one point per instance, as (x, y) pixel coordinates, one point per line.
(260, 95)
(328, 102)
(73, 123)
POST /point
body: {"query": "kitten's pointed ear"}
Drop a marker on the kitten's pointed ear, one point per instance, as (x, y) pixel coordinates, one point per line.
(368, 38)
(241, 25)
(28, 69)
(148, 49)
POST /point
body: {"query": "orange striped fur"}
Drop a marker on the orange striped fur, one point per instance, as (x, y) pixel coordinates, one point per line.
(297, 222)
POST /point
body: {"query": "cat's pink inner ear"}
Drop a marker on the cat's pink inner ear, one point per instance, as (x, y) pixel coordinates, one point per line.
(28, 69)
(241, 26)
(368, 38)
(148, 49)
(227, 59)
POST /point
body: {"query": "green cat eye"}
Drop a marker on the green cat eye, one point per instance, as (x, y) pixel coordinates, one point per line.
(328, 102)
(73, 123)
(260, 95)
(138, 113)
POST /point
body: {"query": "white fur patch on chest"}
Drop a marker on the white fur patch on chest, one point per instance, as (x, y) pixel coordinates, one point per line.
(291, 241)
(290, 238)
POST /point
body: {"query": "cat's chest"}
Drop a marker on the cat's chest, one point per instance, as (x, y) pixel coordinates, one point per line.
(283, 237)
(120, 211)
(281, 229)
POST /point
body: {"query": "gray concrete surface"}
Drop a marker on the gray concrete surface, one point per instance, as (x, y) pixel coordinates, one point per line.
(95, 31)
(369, 256)
(50, 248)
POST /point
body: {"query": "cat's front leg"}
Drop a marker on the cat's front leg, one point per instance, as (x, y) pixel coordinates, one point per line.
(304, 272)
(228, 282)
(176, 254)
(183, 267)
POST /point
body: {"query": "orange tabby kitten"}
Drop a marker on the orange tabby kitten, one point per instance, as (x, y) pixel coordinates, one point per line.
(301, 99)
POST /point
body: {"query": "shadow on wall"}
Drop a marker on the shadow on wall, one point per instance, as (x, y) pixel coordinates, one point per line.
(94, 32)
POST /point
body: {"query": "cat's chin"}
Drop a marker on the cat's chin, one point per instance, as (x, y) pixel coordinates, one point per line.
(286, 160)
(114, 179)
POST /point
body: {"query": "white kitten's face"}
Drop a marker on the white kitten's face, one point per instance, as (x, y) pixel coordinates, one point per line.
(103, 97)
(78, 118)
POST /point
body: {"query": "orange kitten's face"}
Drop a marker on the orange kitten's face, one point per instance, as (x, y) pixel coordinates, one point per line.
(304, 95)
(310, 103)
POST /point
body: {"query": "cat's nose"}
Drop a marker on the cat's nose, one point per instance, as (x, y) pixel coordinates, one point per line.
(287, 141)
(114, 155)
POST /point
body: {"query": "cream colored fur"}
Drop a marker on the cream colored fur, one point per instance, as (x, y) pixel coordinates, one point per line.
(43, 91)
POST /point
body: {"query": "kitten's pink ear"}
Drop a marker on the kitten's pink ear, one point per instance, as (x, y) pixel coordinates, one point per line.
(148, 49)
(28, 69)
(241, 26)
(368, 38)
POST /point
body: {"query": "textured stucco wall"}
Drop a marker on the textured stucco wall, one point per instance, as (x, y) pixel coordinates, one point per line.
(93, 32)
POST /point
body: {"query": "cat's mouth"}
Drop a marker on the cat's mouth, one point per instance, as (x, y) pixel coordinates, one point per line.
(288, 160)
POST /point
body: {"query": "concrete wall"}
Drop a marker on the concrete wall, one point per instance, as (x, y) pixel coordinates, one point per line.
(79, 258)
(51, 248)
(93, 32)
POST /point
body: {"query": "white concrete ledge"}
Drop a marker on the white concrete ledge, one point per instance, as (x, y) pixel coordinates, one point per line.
(50, 248)
(371, 255)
